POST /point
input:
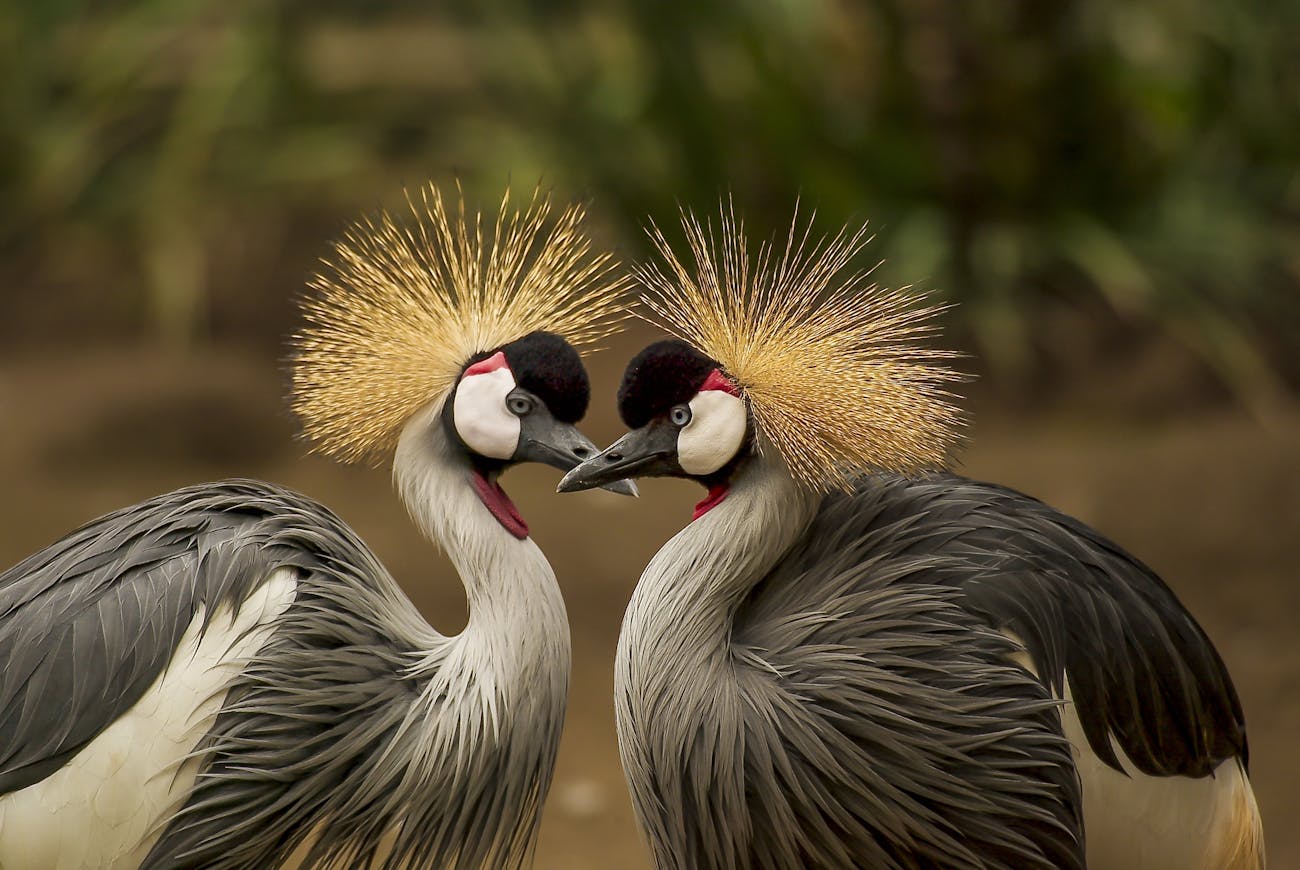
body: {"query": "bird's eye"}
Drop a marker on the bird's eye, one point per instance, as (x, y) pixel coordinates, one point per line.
(520, 406)
(680, 415)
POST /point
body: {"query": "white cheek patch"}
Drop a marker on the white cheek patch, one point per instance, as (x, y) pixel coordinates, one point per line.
(714, 434)
(482, 420)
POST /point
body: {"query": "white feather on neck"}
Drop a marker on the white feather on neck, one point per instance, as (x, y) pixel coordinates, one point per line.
(685, 600)
(674, 651)
(716, 559)
(516, 640)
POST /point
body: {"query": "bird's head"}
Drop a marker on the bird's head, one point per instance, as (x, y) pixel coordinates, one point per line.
(440, 330)
(688, 419)
(520, 403)
(783, 354)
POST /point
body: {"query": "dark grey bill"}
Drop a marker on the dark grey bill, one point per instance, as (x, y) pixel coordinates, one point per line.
(650, 451)
(544, 439)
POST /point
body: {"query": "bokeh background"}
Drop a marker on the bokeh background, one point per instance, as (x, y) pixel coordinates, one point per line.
(1109, 191)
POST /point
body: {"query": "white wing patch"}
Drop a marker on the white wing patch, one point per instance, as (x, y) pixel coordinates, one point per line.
(715, 433)
(1160, 822)
(1164, 822)
(104, 807)
(482, 419)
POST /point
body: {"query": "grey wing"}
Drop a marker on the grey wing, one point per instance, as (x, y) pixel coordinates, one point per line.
(1139, 666)
(307, 728)
(88, 624)
(899, 731)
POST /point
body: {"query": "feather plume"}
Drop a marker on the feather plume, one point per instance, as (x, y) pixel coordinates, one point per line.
(830, 363)
(401, 307)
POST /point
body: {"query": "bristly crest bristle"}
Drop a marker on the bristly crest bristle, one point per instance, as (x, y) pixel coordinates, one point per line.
(402, 306)
(831, 363)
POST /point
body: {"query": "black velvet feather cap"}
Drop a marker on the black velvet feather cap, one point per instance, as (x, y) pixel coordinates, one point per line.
(547, 366)
(665, 374)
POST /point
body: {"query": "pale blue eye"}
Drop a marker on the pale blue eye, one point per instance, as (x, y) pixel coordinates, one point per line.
(680, 415)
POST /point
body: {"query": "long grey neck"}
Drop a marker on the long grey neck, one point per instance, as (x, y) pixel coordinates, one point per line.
(674, 675)
(517, 638)
(489, 702)
(686, 599)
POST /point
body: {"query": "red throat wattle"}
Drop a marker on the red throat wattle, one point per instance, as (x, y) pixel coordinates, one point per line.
(717, 493)
(494, 498)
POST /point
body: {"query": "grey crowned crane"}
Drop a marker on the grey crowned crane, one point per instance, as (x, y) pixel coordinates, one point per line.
(850, 658)
(225, 674)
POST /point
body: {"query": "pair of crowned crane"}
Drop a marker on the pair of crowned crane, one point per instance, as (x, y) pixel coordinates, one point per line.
(848, 658)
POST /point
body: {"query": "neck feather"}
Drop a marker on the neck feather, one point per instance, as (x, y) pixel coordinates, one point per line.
(500, 572)
(691, 588)
(518, 630)
(492, 703)
(674, 675)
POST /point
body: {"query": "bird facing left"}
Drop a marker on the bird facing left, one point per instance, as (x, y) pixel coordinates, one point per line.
(225, 675)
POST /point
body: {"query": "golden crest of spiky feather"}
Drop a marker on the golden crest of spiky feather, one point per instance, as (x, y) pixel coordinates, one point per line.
(402, 306)
(829, 362)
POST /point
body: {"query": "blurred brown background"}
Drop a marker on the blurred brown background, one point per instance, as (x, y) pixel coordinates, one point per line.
(1109, 191)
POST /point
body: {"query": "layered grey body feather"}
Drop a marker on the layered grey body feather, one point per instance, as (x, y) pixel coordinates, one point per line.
(806, 682)
(339, 729)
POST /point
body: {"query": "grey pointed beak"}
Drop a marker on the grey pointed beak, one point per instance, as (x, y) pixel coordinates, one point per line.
(561, 445)
(650, 451)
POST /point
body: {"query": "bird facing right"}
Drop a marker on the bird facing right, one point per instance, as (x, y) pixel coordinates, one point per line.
(853, 658)
(225, 676)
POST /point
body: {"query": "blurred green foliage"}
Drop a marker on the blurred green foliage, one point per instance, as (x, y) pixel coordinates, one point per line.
(1067, 172)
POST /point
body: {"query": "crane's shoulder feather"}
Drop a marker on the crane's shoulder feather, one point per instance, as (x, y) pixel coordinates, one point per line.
(88, 623)
(870, 687)
(1140, 669)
